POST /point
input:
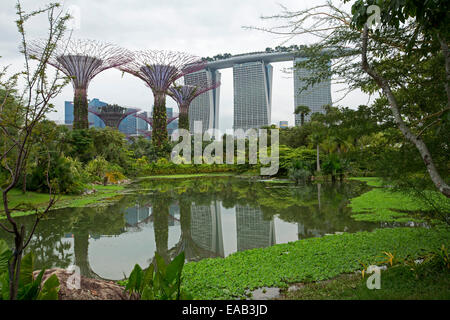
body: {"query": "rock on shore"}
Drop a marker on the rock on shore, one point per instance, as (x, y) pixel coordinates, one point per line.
(90, 289)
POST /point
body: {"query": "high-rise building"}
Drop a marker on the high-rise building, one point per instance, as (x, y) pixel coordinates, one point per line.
(129, 124)
(205, 107)
(284, 124)
(252, 95)
(142, 125)
(314, 97)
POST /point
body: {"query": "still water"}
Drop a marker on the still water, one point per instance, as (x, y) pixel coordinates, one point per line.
(205, 218)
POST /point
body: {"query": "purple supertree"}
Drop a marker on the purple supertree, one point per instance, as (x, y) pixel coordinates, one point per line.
(112, 115)
(82, 60)
(150, 120)
(185, 94)
(159, 69)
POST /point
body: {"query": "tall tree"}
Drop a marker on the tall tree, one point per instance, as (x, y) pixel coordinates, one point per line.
(393, 61)
(34, 100)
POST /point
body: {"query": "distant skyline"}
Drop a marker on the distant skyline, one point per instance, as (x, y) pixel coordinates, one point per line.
(202, 28)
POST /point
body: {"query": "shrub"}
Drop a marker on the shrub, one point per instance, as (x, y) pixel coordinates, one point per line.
(300, 171)
(29, 287)
(160, 281)
(66, 176)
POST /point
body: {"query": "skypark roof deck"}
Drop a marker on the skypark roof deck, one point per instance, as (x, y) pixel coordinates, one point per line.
(251, 57)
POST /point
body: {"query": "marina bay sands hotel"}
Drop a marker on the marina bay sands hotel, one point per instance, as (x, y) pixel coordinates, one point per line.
(252, 80)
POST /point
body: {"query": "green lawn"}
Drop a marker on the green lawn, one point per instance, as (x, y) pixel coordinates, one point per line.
(386, 205)
(39, 200)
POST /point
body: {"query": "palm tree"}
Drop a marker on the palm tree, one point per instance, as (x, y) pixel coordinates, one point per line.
(316, 139)
(302, 111)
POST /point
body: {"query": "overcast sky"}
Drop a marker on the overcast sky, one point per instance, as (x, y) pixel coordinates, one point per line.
(200, 27)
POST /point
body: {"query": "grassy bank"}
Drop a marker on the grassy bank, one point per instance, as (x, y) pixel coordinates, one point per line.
(427, 281)
(382, 204)
(307, 260)
(36, 200)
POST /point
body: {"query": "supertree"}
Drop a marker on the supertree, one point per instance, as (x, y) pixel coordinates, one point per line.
(159, 69)
(112, 115)
(150, 120)
(185, 94)
(82, 60)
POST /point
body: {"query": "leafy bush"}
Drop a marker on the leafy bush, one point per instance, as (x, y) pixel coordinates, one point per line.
(287, 155)
(99, 168)
(29, 287)
(333, 165)
(66, 176)
(300, 171)
(160, 282)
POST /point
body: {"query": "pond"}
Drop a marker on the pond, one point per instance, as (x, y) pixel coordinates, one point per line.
(204, 217)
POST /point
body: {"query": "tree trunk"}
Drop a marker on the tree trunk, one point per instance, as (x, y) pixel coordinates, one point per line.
(14, 266)
(159, 133)
(302, 119)
(24, 182)
(80, 109)
(419, 144)
(183, 120)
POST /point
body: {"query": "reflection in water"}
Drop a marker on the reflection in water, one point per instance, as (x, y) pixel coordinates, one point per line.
(206, 228)
(252, 230)
(188, 216)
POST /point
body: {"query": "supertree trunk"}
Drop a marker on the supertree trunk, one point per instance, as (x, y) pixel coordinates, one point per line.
(183, 120)
(80, 109)
(160, 135)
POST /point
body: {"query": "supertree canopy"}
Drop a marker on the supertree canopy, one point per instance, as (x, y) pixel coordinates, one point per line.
(82, 60)
(185, 94)
(159, 69)
(112, 115)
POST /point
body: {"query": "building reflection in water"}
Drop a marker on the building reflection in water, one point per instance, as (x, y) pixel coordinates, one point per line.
(206, 227)
(204, 235)
(252, 230)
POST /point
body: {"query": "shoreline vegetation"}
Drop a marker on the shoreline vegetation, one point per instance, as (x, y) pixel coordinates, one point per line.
(102, 196)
